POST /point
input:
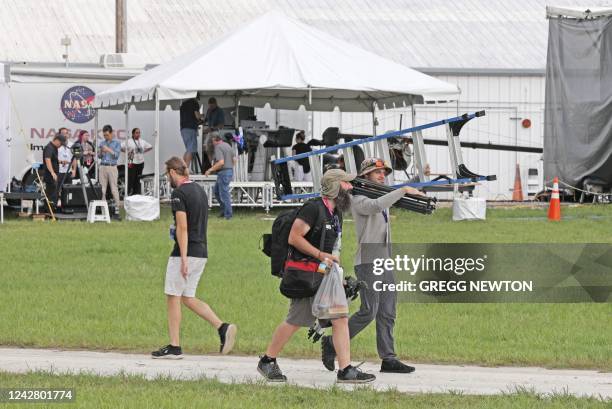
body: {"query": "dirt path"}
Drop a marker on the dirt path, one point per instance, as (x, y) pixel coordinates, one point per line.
(311, 373)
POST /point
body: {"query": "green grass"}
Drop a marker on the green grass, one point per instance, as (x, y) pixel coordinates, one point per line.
(75, 285)
(135, 392)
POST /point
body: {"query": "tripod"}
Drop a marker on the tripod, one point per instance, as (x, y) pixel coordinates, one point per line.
(196, 163)
(83, 178)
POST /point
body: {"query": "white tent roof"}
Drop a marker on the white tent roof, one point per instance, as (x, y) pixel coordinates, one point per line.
(281, 61)
(577, 12)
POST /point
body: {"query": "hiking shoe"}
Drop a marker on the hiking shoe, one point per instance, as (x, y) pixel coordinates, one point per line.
(270, 370)
(395, 366)
(328, 353)
(227, 336)
(352, 374)
(168, 352)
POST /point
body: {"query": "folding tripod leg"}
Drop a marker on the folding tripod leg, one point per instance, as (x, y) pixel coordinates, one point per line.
(45, 195)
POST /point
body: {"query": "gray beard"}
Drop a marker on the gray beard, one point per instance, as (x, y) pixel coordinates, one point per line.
(343, 201)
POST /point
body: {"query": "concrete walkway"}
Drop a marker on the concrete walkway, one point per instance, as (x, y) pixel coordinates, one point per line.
(311, 373)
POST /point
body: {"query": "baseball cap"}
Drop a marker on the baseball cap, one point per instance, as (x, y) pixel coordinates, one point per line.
(330, 183)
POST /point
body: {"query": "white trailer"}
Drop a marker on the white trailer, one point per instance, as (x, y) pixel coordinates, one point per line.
(38, 99)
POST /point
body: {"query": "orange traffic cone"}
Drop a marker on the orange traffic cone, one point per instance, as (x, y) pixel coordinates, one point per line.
(554, 210)
(517, 193)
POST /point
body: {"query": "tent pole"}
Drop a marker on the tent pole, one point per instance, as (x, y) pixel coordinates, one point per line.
(126, 179)
(156, 180)
(237, 116)
(373, 150)
(373, 118)
(240, 171)
(96, 143)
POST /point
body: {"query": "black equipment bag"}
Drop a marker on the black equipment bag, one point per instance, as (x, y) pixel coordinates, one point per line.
(276, 244)
(296, 282)
(72, 195)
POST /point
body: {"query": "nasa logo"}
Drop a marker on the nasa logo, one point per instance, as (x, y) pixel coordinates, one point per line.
(77, 104)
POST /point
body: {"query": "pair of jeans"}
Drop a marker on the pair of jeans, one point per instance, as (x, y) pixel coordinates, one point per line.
(190, 139)
(222, 192)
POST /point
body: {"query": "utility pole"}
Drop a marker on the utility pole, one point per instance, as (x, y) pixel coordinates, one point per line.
(66, 43)
(121, 26)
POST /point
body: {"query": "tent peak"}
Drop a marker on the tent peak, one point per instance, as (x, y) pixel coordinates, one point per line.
(288, 63)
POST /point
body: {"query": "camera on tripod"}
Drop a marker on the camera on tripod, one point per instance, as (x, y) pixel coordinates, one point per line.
(77, 151)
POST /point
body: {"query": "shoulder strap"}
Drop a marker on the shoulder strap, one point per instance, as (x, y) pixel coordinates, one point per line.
(322, 221)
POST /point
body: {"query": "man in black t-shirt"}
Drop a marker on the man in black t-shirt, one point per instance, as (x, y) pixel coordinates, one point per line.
(51, 165)
(301, 166)
(306, 252)
(190, 119)
(187, 261)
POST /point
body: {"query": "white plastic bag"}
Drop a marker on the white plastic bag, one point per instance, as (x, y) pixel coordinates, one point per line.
(330, 300)
(473, 208)
(141, 208)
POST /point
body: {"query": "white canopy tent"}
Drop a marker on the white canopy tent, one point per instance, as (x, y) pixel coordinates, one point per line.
(577, 12)
(286, 63)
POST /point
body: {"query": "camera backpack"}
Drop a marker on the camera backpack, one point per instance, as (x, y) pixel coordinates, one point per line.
(276, 243)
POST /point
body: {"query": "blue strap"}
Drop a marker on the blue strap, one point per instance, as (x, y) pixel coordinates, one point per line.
(421, 184)
(387, 135)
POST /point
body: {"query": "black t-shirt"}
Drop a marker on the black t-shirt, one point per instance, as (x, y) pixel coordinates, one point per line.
(188, 118)
(50, 152)
(191, 198)
(301, 147)
(310, 214)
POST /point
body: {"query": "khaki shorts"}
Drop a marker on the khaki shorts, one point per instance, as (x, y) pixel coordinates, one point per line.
(300, 313)
(176, 284)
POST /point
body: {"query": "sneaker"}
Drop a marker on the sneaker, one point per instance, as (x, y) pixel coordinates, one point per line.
(168, 352)
(271, 371)
(395, 366)
(227, 335)
(328, 353)
(352, 374)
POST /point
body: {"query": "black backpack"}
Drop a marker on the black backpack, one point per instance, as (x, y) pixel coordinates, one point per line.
(276, 244)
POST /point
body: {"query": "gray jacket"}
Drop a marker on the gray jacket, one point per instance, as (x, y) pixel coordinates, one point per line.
(371, 227)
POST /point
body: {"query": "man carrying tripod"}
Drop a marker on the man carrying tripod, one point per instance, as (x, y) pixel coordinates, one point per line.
(314, 239)
(372, 225)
